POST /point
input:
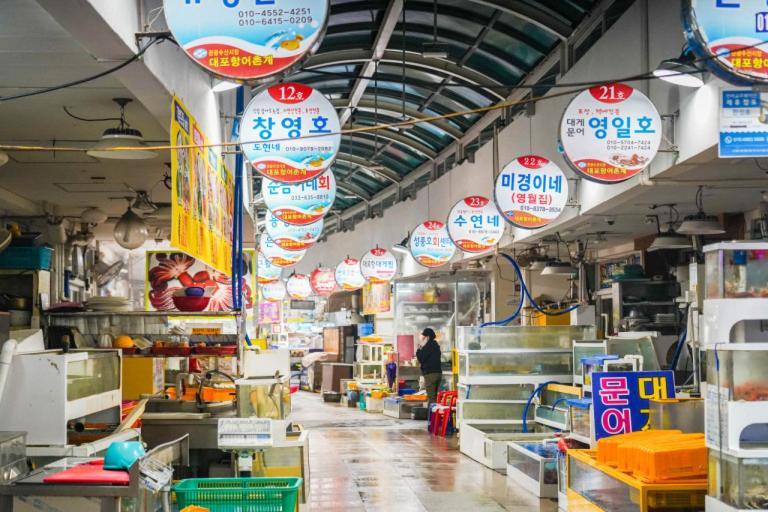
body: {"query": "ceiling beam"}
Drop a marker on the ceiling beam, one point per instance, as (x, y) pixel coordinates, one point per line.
(353, 189)
(387, 27)
(379, 170)
(396, 137)
(442, 67)
(539, 16)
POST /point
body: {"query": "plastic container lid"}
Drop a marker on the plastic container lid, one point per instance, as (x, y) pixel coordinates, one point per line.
(579, 403)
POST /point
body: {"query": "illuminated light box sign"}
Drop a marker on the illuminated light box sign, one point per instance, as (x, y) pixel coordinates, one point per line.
(378, 266)
(278, 256)
(531, 192)
(610, 133)
(474, 224)
(430, 244)
(267, 272)
(323, 281)
(292, 237)
(247, 39)
(730, 37)
(620, 400)
(298, 287)
(348, 275)
(300, 203)
(273, 292)
(743, 131)
(290, 133)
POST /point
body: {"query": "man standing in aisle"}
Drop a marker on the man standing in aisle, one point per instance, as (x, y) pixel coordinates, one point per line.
(428, 355)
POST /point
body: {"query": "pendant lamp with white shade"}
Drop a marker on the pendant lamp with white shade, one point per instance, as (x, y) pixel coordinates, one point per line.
(129, 140)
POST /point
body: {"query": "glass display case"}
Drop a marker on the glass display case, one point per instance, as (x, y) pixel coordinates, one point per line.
(373, 352)
(514, 367)
(98, 373)
(442, 301)
(582, 349)
(368, 373)
(494, 338)
(740, 483)
(492, 411)
(533, 465)
(739, 370)
(639, 305)
(580, 419)
(736, 270)
(487, 443)
(264, 398)
(641, 346)
(13, 455)
(495, 391)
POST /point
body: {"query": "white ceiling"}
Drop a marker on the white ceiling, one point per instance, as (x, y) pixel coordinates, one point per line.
(36, 52)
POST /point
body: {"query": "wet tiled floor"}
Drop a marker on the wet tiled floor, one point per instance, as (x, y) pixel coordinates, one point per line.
(369, 462)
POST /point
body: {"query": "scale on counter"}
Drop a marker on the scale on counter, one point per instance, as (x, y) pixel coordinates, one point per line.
(244, 436)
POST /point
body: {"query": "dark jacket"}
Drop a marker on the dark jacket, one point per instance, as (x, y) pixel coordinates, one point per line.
(429, 358)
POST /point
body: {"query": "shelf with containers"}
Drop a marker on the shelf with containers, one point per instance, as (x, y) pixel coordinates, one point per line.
(444, 301)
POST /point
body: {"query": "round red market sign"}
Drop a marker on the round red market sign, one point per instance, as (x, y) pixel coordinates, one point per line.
(348, 275)
(474, 224)
(298, 287)
(273, 292)
(267, 272)
(610, 133)
(290, 133)
(378, 266)
(430, 244)
(247, 39)
(300, 203)
(531, 192)
(323, 281)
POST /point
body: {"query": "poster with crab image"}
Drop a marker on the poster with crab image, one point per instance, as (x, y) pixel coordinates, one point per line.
(610, 133)
(430, 244)
(531, 192)
(170, 273)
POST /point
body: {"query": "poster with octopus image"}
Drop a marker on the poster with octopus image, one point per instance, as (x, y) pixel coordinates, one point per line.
(174, 273)
(202, 189)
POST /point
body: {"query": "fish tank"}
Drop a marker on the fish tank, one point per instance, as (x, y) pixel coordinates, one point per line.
(494, 411)
(515, 364)
(536, 460)
(740, 483)
(582, 349)
(739, 369)
(521, 336)
(368, 372)
(580, 417)
(736, 270)
(495, 391)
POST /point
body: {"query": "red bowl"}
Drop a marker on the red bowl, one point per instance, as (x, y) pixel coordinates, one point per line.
(186, 303)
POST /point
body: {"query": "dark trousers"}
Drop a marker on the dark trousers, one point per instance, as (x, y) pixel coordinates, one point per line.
(432, 384)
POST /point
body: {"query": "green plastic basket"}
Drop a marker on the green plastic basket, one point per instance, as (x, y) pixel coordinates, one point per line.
(239, 494)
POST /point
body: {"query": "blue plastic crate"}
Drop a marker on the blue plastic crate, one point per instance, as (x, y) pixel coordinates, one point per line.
(26, 258)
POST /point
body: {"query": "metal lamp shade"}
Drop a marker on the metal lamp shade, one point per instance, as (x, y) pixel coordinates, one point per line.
(670, 240)
(701, 224)
(558, 268)
(121, 138)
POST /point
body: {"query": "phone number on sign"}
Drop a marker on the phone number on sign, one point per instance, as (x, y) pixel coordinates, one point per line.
(250, 22)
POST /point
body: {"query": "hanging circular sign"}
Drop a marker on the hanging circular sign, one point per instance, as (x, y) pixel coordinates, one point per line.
(729, 37)
(609, 133)
(246, 40)
(267, 272)
(378, 266)
(323, 281)
(300, 203)
(290, 133)
(531, 192)
(273, 292)
(348, 275)
(430, 244)
(290, 236)
(278, 256)
(474, 224)
(298, 287)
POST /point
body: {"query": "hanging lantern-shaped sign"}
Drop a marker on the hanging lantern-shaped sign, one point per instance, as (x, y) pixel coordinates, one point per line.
(278, 256)
(273, 292)
(242, 40)
(290, 133)
(729, 37)
(292, 237)
(531, 192)
(378, 266)
(610, 133)
(475, 225)
(431, 245)
(348, 275)
(323, 281)
(300, 203)
(267, 272)
(298, 287)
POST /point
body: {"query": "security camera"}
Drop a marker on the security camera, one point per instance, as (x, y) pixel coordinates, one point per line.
(610, 220)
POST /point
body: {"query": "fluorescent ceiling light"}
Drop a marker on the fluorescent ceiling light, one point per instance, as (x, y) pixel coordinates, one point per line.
(224, 85)
(434, 50)
(680, 72)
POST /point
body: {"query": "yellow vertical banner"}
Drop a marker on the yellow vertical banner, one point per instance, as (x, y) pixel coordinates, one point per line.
(202, 206)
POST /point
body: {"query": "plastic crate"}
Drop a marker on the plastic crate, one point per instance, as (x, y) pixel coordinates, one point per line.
(239, 494)
(26, 258)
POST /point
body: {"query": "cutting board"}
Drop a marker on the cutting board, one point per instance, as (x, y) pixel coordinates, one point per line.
(90, 473)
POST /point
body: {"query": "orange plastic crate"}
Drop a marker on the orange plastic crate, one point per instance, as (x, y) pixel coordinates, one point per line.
(673, 460)
(608, 447)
